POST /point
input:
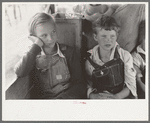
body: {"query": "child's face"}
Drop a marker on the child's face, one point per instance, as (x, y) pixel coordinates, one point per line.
(106, 38)
(47, 33)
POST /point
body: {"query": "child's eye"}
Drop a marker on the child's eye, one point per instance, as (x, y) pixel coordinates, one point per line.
(44, 36)
(112, 36)
(103, 36)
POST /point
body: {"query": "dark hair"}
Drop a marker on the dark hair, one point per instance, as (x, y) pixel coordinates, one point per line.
(105, 22)
(37, 19)
(141, 33)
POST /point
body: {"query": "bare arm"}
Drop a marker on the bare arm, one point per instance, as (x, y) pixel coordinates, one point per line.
(123, 94)
(106, 95)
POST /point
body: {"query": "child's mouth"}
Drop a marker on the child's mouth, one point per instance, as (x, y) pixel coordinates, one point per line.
(108, 45)
(49, 44)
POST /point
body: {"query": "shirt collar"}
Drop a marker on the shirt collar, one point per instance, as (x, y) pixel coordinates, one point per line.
(58, 52)
(95, 55)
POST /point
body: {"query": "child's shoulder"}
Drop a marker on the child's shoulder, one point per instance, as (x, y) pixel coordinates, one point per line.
(94, 49)
(124, 54)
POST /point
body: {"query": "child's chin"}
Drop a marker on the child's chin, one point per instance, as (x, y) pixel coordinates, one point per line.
(51, 45)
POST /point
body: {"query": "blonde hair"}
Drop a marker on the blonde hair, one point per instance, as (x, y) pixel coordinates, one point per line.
(37, 19)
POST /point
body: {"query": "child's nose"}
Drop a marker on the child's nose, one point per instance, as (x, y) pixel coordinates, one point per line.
(108, 39)
(49, 37)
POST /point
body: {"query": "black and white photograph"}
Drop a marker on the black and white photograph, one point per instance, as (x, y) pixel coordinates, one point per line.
(75, 61)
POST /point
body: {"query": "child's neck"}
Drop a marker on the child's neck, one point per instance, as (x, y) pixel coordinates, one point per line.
(50, 51)
(104, 55)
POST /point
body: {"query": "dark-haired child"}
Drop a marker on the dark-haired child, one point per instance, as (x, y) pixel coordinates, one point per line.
(120, 83)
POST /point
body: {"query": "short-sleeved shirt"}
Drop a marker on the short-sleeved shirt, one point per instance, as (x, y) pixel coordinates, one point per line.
(129, 71)
(137, 59)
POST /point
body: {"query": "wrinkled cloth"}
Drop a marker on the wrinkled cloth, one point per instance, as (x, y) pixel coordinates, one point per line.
(128, 17)
(129, 71)
(137, 59)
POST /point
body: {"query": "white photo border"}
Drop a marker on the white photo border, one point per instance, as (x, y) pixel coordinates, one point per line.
(72, 110)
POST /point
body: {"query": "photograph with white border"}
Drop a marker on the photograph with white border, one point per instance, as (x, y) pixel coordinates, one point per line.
(47, 74)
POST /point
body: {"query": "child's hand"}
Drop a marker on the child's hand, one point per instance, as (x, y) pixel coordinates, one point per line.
(94, 96)
(36, 40)
(107, 96)
(102, 96)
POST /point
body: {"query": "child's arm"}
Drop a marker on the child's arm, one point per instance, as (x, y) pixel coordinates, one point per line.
(123, 94)
(90, 90)
(27, 63)
(106, 95)
(138, 78)
(129, 72)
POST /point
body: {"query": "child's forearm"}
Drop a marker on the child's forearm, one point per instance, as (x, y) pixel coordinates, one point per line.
(27, 63)
(123, 94)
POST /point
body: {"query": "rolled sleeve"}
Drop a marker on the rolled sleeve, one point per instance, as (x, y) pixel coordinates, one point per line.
(130, 73)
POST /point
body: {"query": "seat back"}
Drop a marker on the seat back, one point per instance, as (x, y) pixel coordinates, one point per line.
(69, 32)
(20, 89)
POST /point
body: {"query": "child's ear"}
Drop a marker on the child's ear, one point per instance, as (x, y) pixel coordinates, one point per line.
(95, 37)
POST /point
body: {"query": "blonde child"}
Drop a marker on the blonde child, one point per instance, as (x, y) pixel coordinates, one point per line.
(56, 67)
